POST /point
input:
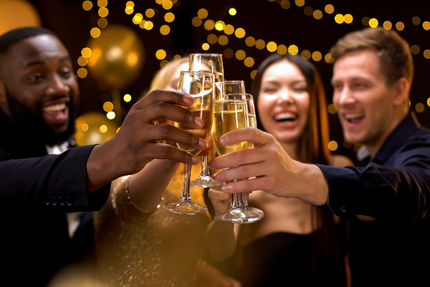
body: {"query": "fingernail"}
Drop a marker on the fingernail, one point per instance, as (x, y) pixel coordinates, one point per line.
(202, 143)
(195, 159)
(199, 122)
(188, 99)
(226, 188)
(223, 140)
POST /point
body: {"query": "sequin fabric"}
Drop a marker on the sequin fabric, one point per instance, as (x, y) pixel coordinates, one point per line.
(149, 248)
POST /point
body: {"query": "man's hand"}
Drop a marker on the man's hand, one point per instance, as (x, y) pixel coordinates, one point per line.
(138, 140)
(275, 171)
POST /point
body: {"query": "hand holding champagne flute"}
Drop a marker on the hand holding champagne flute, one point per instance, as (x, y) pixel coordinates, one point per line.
(201, 86)
(231, 113)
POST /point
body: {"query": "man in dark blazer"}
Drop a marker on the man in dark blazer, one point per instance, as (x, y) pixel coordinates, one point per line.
(38, 98)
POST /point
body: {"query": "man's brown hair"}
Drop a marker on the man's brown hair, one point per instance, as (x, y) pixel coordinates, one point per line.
(395, 58)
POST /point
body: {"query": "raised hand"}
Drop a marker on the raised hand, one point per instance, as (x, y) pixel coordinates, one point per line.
(275, 171)
(138, 141)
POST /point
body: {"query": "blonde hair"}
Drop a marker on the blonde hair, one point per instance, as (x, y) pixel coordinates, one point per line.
(163, 76)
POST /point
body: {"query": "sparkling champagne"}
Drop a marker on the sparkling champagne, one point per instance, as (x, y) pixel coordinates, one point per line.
(204, 132)
(229, 115)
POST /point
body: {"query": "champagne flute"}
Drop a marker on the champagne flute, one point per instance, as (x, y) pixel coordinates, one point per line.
(201, 87)
(231, 113)
(212, 63)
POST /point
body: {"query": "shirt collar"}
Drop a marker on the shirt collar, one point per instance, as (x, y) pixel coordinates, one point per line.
(398, 137)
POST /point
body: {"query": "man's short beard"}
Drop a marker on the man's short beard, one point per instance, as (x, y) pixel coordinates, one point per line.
(32, 126)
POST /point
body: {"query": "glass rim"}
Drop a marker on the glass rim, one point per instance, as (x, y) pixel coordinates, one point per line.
(206, 54)
(197, 72)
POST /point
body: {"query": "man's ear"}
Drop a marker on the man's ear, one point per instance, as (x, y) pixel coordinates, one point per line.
(3, 100)
(401, 91)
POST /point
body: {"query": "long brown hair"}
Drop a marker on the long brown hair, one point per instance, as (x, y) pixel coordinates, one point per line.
(311, 148)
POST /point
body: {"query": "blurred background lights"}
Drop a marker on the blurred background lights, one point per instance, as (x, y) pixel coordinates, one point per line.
(197, 22)
(415, 49)
(164, 30)
(127, 98)
(202, 13)
(84, 127)
(260, 44)
(400, 26)
(308, 11)
(103, 129)
(332, 109)
(426, 25)
(82, 61)
(150, 13)
(160, 54)
(339, 18)
(318, 14)
(240, 33)
(249, 62)
(108, 106)
(329, 9)
(212, 38)
(373, 23)
(416, 20)
(240, 55)
(82, 73)
(169, 17)
(316, 56)
(428, 102)
(129, 10)
(205, 46)
(328, 58)
(419, 108)
(95, 32)
(282, 49)
(306, 54)
(250, 41)
(137, 18)
(209, 25)
(228, 29)
(87, 5)
(332, 145)
(300, 3)
(293, 49)
(103, 12)
(111, 115)
(167, 4)
(102, 22)
(223, 40)
(348, 18)
(86, 52)
(232, 12)
(365, 21)
(102, 3)
(219, 25)
(426, 54)
(387, 25)
(272, 46)
(228, 53)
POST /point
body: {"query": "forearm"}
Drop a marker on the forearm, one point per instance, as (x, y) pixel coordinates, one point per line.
(311, 185)
(221, 239)
(147, 186)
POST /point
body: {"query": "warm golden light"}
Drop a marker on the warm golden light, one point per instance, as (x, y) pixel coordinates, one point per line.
(373, 23)
(219, 25)
(129, 3)
(177, 57)
(415, 49)
(416, 20)
(332, 109)
(426, 54)
(271, 46)
(308, 11)
(102, 22)
(348, 18)
(111, 115)
(102, 3)
(365, 21)
(95, 32)
(169, 17)
(137, 18)
(318, 14)
(400, 26)
(328, 58)
(86, 52)
(249, 62)
(339, 18)
(428, 102)
(150, 13)
(228, 53)
(419, 108)
(300, 3)
(240, 33)
(240, 55)
(260, 44)
(164, 30)
(160, 54)
(103, 129)
(82, 61)
(197, 22)
(223, 40)
(316, 56)
(426, 25)
(212, 38)
(285, 4)
(306, 54)
(82, 73)
(332, 145)
(163, 63)
(108, 106)
(329, 9)
(209, 25)
(127, 98)
(387, 25)
(87, 5)
(205, 46)
(229, 29)
(129, 10)
(202, 13)
(103, 12)
(293, 49)
(84, 127)
(250, 41)
(167, 5)
(232, 12)
(282, 49)
(252, 74)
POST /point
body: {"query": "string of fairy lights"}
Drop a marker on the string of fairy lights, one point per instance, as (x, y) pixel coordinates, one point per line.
(219, 33)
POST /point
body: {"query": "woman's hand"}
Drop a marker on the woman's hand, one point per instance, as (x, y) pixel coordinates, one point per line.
(275, 171)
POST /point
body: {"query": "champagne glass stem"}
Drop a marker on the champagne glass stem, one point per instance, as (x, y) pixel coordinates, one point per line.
(205, 167)
(186, 196)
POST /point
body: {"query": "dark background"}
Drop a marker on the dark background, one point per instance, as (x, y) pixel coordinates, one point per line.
(261, 19)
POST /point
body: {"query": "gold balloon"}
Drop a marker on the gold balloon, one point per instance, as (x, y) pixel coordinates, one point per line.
(16, 14)
(117, 56)
(93, 128)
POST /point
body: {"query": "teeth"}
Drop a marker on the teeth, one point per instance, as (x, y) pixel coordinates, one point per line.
(55, 108)
(353, 116)
(285, 117)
